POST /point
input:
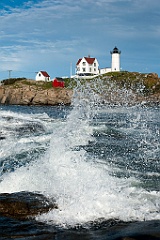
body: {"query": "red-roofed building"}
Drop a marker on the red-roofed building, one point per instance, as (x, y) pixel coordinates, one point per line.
(42, 76)
(58, 82)
(87, 66)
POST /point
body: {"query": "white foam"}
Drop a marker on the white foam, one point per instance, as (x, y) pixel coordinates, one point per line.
(83, 188)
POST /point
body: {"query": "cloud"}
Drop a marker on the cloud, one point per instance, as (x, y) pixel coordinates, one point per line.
(53, 32)
(55, 18)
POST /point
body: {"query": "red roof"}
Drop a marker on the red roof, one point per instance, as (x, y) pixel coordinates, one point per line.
(45, 74)
(88, 59)
(79, 61)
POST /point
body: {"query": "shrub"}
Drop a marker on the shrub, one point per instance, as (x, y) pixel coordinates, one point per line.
(11, 80)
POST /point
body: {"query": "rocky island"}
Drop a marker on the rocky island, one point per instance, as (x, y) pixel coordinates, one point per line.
(117, 87)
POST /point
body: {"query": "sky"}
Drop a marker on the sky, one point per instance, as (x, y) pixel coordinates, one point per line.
(51, 35)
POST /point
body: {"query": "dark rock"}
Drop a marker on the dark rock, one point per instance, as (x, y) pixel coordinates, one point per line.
(23, 205)
(1, 136)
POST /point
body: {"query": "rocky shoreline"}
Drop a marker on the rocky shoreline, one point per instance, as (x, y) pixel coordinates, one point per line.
(30, 92)
(22, 94)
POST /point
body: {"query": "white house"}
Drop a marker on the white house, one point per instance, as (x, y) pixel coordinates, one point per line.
(42, 76)
(87, 66)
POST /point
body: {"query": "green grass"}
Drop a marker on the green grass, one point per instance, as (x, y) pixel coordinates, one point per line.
(147, 83)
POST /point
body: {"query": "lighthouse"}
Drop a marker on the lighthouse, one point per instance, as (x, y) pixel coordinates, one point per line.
(115, 65)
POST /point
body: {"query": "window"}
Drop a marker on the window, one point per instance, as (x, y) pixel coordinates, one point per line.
(95, 69)
(90, 69)
(83, 69)
(84, 63)
(94, 64)
(39, 74)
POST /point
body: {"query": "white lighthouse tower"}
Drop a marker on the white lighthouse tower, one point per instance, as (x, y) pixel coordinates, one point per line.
(115, 65)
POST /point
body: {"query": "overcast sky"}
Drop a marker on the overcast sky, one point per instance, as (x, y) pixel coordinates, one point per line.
(52, 35)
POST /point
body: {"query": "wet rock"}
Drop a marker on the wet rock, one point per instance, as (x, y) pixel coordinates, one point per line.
(140, 237)
(22, 205)
(11, 228)
(114, 229)
(2, 137)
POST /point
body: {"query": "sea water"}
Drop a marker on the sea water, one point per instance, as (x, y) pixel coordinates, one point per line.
(96, 160)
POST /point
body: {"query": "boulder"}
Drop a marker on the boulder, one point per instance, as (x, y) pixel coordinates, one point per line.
(27, 97)
(59, 96)
(22, 205)
(40, 98)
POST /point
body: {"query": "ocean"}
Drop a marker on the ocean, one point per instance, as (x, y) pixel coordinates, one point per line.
(99, 162)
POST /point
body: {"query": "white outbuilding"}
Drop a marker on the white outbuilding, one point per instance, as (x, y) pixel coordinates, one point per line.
(42, 76)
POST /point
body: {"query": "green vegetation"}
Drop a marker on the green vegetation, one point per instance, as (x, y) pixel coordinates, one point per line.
(148, 83)
(17, 82)
(138, 82)
(70, 83)
(11, 81)
(143, 83)
(38, 84)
